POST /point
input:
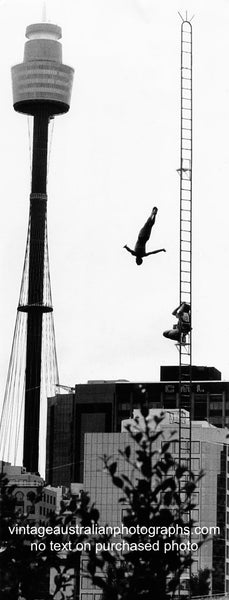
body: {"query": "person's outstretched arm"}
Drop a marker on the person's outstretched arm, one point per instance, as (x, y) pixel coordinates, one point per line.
(129, 250)
(155, 251)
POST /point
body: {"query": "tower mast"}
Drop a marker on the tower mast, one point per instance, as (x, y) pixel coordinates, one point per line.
(42, 88)
(185, 291)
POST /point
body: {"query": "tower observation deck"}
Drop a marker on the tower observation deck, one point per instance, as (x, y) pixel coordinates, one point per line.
(42, 82)
(42, 87)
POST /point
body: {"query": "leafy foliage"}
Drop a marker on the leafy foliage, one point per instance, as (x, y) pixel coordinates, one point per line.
(159, 494)
(156, 493)
(200, 583)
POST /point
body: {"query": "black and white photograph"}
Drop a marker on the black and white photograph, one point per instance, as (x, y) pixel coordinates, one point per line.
(114, 361)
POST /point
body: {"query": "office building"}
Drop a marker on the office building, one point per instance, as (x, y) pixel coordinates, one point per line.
(209, 452)
(101, 406)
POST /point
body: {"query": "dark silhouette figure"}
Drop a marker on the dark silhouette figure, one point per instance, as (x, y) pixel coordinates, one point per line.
(143, 237)
(183, 325)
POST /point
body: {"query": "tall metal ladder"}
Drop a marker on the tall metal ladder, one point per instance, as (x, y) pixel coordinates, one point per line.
(185, 354)
(185, 171)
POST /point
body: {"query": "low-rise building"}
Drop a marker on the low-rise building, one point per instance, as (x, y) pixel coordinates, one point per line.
(209, 452)
(27, 487)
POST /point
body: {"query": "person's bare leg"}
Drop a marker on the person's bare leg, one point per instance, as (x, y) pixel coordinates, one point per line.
(155, 251)
(153, 214)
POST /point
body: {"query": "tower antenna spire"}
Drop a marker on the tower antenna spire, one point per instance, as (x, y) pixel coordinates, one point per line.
(44, 12)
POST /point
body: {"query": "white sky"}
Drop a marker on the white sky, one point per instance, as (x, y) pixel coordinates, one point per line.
(114, 156)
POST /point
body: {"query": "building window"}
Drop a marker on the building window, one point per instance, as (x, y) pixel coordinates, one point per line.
(216, 406)
(195, 566)
(195, 497)
(195, 447)
(85, 583)
(124, 407)
(195, 464)
(200, 406)
(195, 515)
(185, 445)
(174, 448)
(124, 513)
(20, 501)
(31, 509)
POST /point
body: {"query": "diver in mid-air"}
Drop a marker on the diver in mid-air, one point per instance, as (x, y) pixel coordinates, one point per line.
(143, 237)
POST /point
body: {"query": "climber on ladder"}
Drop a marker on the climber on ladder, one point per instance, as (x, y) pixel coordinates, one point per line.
(140, 251)
(183, 326)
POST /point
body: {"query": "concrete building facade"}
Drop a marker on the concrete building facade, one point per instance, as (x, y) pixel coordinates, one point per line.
(209, 452)
(28, 485)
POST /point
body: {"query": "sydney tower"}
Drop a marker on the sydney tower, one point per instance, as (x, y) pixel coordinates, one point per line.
(42, 87)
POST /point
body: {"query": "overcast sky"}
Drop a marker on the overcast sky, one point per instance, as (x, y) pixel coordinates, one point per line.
(114, 156)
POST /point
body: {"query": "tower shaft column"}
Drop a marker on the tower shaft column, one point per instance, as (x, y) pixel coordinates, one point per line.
(35, 308)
